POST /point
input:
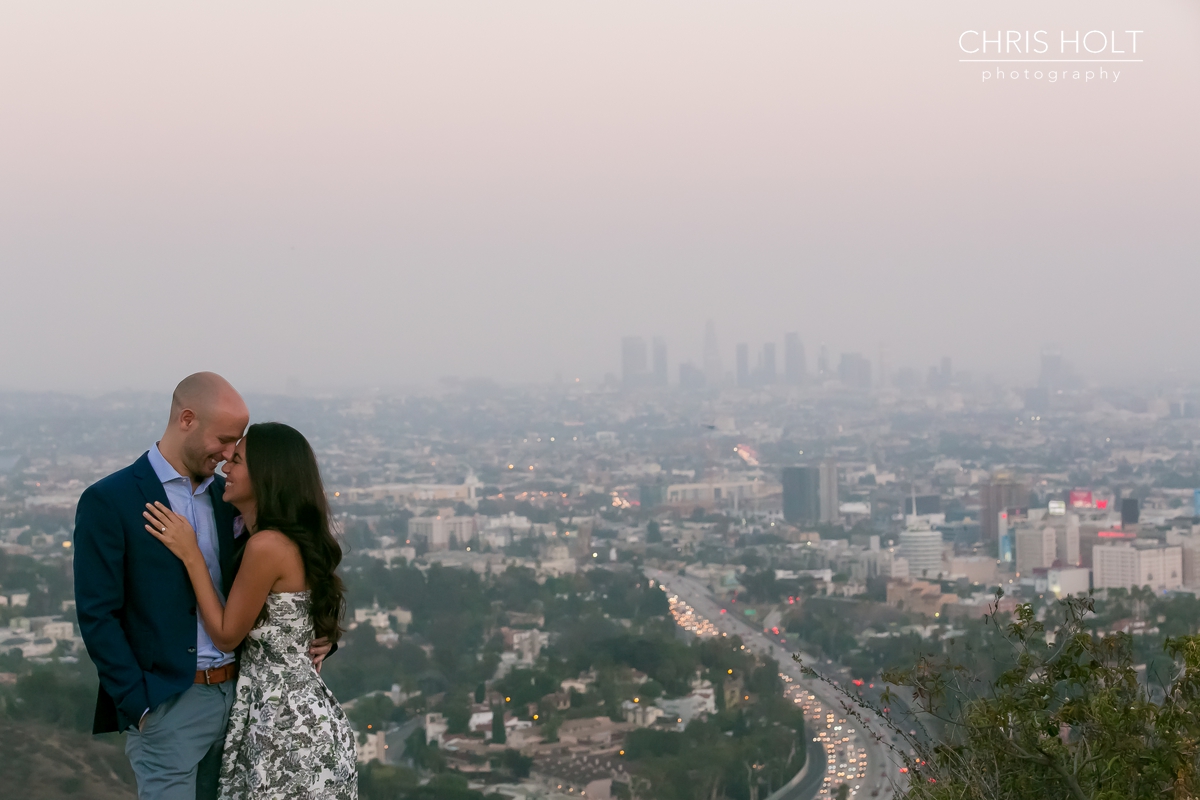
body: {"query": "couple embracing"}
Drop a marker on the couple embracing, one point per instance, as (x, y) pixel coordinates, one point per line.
(208, 603)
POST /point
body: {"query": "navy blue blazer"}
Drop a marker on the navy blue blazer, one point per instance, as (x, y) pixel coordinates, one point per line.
(136, 607)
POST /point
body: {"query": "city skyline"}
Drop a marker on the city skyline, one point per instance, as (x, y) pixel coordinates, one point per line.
(392, 194)
(651, 399)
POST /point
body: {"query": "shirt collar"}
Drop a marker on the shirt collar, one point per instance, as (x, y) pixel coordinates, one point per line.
(166, 473)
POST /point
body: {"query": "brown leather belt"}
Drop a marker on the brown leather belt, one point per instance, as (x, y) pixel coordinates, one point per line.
(217, 674)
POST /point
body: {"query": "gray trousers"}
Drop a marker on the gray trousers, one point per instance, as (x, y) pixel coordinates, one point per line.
(177, 754)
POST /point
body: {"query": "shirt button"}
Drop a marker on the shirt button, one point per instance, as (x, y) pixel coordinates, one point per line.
(191, 649)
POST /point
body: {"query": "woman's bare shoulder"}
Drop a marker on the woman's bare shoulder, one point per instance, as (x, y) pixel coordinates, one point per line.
(270, 542)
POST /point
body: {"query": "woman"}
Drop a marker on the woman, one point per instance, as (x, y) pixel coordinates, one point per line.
(287, 737)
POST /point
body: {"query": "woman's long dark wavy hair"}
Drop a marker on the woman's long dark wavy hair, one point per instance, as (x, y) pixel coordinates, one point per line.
(290, 499)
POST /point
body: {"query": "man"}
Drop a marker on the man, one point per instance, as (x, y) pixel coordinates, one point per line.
(162, 680)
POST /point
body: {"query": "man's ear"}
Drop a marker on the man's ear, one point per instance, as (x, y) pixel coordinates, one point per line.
(187, 419)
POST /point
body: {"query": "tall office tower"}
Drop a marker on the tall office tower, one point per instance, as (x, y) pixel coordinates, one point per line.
(947, 369)
(1036, 547)
(768, 363)
(793, 359)
(743, 364)
(854, 370)
(1004, 539)
(1053, 374)
(633, 361)
(1067, 550)
(823, 362)
(1129, 511)
(1093, 535)
(660, 362)
(883, 366)
(829, 490)
(802, 495)
(1191, 562)
(998, 495)
(712, 354)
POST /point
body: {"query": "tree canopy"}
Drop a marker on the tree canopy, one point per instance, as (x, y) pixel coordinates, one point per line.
(1066, 714)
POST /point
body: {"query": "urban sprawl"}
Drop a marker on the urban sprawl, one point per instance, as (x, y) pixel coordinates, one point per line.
(613, 589)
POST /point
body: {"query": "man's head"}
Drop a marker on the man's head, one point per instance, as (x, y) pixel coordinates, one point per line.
(208, 417)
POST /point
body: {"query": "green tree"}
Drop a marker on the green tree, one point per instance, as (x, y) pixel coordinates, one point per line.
(373, 711)
(514, 763)
(379, 782)
(1066, 716)
(498, 734)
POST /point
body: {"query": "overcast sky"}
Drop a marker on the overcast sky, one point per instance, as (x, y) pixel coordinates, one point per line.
(358, 194)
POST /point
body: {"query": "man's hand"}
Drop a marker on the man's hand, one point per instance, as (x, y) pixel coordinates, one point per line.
(317, 650)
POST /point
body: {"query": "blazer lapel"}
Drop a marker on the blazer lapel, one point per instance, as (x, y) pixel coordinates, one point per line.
(149, 484)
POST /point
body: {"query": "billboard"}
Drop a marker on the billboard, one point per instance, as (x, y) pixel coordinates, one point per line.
(1056, 508)
(1080, 498)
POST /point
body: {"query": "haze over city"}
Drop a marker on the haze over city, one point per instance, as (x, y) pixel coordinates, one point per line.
(391, 193)
(656, 400)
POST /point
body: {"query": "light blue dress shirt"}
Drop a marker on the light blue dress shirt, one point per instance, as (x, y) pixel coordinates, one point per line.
(196, 506)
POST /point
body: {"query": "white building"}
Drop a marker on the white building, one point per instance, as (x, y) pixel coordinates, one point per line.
(528, 645)
(720, 492)
(467, 492)
(443, 532)
(879, 563)
(1064, 581)
(372, 748)
(1067, 540)
(922, 548)
(481, 720)
(1191, 561)
(1122, 566)
(389, 554)
(1037, 547)
(58, 629)
(641, 714)
(509, 521)
(701, 700)
(435, 728)
(976, 569)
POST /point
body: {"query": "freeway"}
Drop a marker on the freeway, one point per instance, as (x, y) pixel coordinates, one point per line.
(850, 756)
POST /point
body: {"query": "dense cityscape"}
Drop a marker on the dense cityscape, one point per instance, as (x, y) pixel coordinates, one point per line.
(624, 588)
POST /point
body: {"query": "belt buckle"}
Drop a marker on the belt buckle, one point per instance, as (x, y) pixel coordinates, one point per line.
(207, 681)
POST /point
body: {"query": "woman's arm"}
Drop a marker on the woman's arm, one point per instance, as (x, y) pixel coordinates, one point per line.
(226, 625)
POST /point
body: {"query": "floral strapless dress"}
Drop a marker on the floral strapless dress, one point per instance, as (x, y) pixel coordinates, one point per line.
(288, 738)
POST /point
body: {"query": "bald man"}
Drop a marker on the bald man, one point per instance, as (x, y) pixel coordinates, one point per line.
(162, 680)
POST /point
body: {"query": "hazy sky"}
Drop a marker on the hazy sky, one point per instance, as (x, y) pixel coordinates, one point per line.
(355, 194)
